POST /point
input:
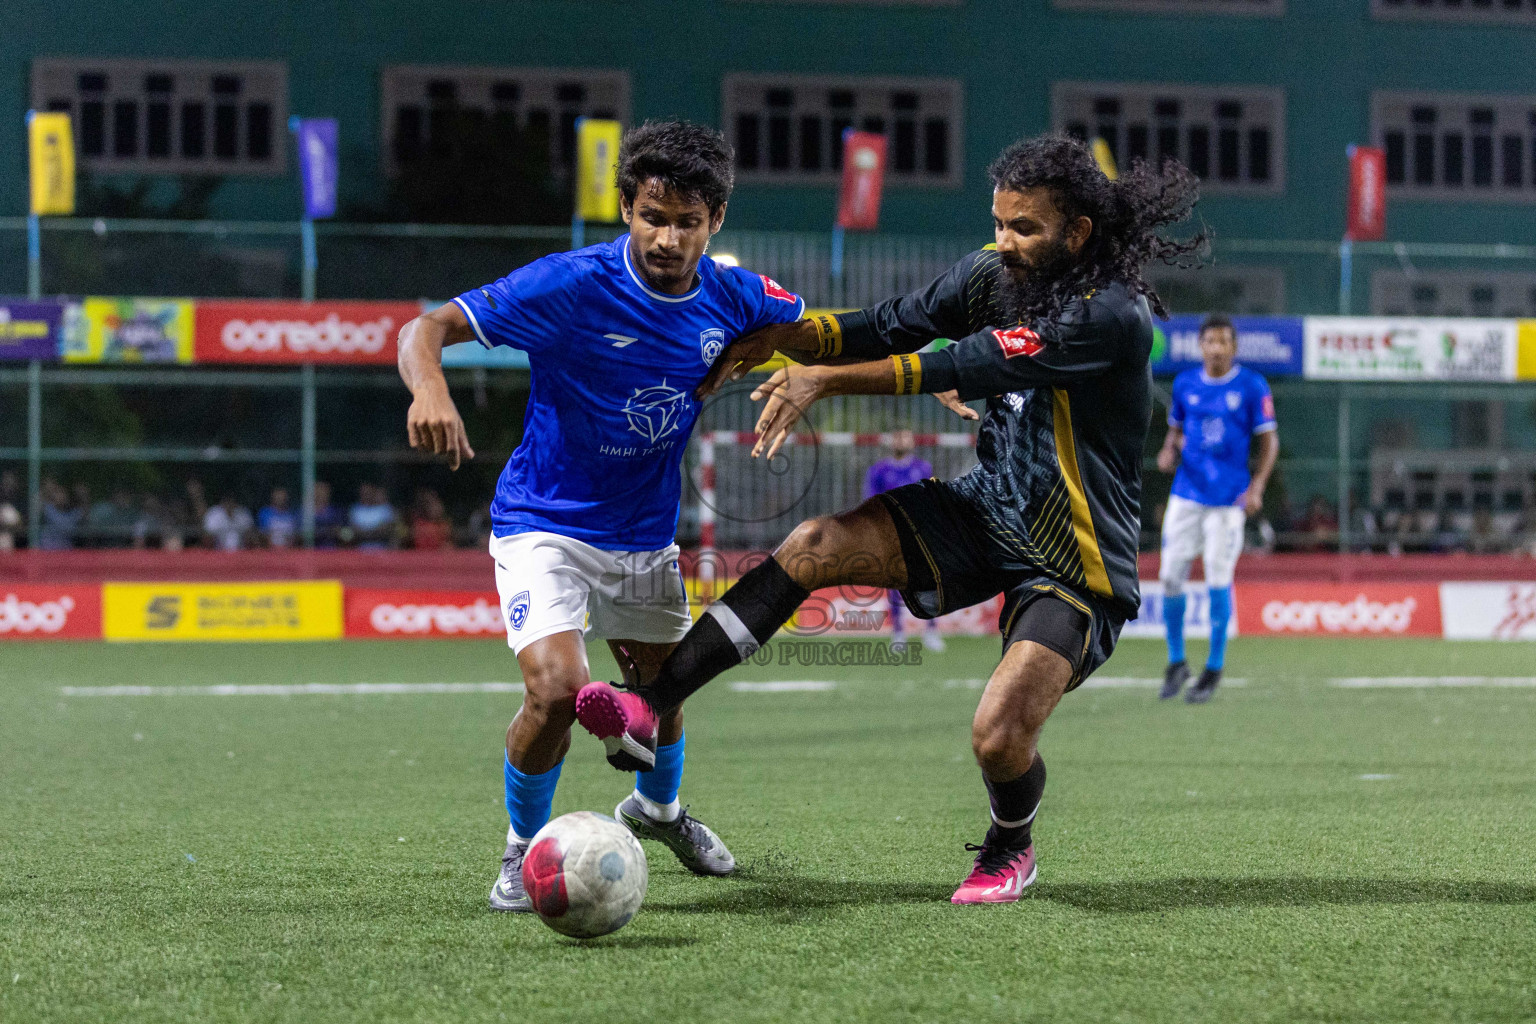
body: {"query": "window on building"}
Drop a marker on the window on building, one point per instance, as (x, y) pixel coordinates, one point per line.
(439, 111)
(1242, 8)
(1457, 146)
(1518, 12)
(1237, 291)
(171, 116)
(790, 128)
(1501, 294)
(1233, 138)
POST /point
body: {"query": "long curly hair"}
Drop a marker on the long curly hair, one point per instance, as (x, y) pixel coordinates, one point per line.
(1127, 215)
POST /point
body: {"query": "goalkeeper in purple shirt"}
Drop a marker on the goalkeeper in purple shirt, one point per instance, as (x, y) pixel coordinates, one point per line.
(900, 468)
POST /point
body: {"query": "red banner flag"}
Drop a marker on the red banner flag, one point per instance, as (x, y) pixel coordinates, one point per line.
(858, 205)
(1367, 194)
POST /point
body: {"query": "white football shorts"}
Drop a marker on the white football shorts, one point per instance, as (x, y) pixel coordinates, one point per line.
(1213, 532)
(549, 584)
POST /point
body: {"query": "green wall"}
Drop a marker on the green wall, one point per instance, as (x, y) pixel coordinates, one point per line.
(1327, 54)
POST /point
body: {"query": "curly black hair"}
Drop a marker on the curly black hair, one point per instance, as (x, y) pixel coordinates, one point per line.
(1126, 215)
(689, 160)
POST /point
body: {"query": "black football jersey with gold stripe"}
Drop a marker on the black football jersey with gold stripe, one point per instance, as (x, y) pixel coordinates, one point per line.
(1059, 451)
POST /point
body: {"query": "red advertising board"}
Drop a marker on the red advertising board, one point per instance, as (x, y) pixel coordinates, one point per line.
(261, 331)
(41, 612)
(858, 202)
(1367, 194)
(1338, 609)
(408, 614)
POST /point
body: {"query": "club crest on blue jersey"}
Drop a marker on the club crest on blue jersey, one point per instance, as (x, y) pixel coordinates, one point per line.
(711, 343)
(1234, 400)
(517, 610)
(656, 411)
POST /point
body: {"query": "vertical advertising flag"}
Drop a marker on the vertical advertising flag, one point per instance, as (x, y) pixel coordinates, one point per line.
(1105, 158)
(52, 151)
(858, 203)
(318, 164)
(1367, 195)
(597, 164)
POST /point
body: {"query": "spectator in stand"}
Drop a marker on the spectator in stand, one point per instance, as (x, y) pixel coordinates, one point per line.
(1484, 537)
(279, 526)
(12, 523)
(197, 501)
(228, 526)
(110, 522)
(60, 519)
(1320, 526)
(80, 502)
(158, 524)
(430, 527)
(374, 523)
(478, 529)
(328, 519)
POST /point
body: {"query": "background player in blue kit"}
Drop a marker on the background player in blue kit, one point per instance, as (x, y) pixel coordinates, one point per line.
(618, 337)
(1216, 412)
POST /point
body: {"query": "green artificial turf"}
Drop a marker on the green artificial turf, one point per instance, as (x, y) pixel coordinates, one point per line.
(327, 858)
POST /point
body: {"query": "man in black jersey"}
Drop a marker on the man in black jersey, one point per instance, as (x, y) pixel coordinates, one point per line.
(1054, 324)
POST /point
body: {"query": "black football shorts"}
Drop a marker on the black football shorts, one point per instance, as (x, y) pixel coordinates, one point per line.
(954, 561)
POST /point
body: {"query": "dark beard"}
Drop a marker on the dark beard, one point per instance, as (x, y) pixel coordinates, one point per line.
(1028, 291)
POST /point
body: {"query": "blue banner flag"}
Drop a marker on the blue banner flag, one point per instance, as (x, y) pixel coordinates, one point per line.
(317, 164)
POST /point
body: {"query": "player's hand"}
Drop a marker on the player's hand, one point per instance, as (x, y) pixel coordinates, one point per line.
(750, 351)
(740, 356)
(951, 401)
(1167, 460)
(785, 397)
(433, 423)
(1253, 501)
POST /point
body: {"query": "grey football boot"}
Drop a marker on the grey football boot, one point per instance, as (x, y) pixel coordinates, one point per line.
(508, 894)
(697, 847)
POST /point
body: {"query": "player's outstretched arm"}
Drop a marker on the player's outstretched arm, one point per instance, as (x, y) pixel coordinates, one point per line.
(433, 422)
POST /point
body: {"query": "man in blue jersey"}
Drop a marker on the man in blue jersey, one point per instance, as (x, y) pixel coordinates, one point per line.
(618, 337)
(1217, 411)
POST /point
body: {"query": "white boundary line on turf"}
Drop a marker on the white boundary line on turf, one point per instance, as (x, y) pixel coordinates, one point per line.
(1092, 683)
(785, 686)
(286, 690)
(1410, 682)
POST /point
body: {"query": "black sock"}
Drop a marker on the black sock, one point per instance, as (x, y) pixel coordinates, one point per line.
(727, 634)
(1014, 804)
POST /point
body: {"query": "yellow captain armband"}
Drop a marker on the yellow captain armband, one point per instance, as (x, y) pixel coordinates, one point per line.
(909, 374)
(829, 335)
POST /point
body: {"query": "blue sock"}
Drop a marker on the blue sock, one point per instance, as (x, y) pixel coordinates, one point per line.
(1173, 619)
(529, 798)
(1221, 615)
(659, 785)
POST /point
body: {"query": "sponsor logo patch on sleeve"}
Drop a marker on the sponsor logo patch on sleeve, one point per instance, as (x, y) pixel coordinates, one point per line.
(1269, 407)
(1019, 341)
(773, 289)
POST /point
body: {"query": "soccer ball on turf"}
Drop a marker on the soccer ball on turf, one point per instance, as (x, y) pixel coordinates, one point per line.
(585, 874)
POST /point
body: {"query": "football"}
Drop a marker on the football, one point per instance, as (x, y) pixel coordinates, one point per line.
(585, 874)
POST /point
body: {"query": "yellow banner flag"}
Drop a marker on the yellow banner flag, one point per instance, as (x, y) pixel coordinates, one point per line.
(1105, 159)
(53, 164)
(597, 161)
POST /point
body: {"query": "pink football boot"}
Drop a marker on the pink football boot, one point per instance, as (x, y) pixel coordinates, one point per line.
(623, 721)
(1000, 875)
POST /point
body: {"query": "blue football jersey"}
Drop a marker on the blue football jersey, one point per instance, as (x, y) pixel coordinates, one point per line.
(1220, 416)
(613, 364)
